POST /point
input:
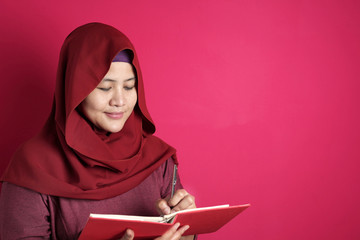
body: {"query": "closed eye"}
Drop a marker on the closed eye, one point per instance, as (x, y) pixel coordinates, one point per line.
(129, 88)
(104, 89)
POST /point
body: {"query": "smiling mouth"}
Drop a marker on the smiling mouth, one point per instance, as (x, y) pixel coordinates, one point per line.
(114, 115)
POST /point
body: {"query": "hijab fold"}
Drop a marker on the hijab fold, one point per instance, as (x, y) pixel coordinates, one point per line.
(72, 158)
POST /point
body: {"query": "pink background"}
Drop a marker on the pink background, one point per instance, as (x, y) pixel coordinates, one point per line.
(261, 99)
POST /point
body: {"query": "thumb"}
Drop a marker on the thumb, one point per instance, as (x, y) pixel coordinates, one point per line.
(128, 235)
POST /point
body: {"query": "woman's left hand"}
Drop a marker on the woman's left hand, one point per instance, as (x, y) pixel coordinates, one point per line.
(180, 201)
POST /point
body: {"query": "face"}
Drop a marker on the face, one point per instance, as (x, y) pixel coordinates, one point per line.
(110, 104)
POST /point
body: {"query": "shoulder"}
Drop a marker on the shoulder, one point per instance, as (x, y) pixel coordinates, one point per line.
(34, 152)
(166, 167)
(156, 141)
(23, 213)
(11, 192)
(37, 146)
(19, 200)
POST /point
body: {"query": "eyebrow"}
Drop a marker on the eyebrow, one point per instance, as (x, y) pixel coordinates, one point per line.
(113, 80)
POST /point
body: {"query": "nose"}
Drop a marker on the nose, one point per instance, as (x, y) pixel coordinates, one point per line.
(117, 98)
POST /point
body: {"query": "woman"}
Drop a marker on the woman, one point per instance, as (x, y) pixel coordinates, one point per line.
(96, 152)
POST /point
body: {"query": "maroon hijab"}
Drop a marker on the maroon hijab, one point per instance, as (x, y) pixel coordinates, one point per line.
(69, 157)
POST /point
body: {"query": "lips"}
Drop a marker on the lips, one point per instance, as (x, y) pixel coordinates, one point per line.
(114, 115)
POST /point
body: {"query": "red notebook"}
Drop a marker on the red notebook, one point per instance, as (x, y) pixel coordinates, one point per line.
(200, 220)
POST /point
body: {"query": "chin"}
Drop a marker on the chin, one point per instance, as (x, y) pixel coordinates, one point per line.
(114, 129)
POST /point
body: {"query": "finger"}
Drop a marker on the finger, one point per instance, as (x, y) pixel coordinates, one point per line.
(169, 233)
(128, 235)
(178, 196)
(174, 232)
(180, 232)
(182, 200)
(186, 203)
(163, 207)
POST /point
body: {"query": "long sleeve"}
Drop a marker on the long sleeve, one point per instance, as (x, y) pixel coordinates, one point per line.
(167, 178)
(24, 214)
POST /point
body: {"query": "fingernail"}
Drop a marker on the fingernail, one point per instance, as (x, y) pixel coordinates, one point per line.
(177, 225)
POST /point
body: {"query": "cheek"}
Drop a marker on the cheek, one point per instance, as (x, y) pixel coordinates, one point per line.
(133, 99)
(93, 104)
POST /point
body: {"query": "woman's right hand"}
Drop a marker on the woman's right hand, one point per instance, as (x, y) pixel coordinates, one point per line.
(174, 233)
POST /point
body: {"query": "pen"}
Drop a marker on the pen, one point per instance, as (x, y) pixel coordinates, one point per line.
(174, 179)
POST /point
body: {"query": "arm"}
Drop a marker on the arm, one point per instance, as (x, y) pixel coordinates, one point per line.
(24, 214)
(181, 199)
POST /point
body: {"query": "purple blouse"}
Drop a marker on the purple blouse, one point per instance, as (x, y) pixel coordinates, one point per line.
(28, 214)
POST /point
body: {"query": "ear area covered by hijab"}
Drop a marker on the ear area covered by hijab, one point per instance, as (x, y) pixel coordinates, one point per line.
(69, 157)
